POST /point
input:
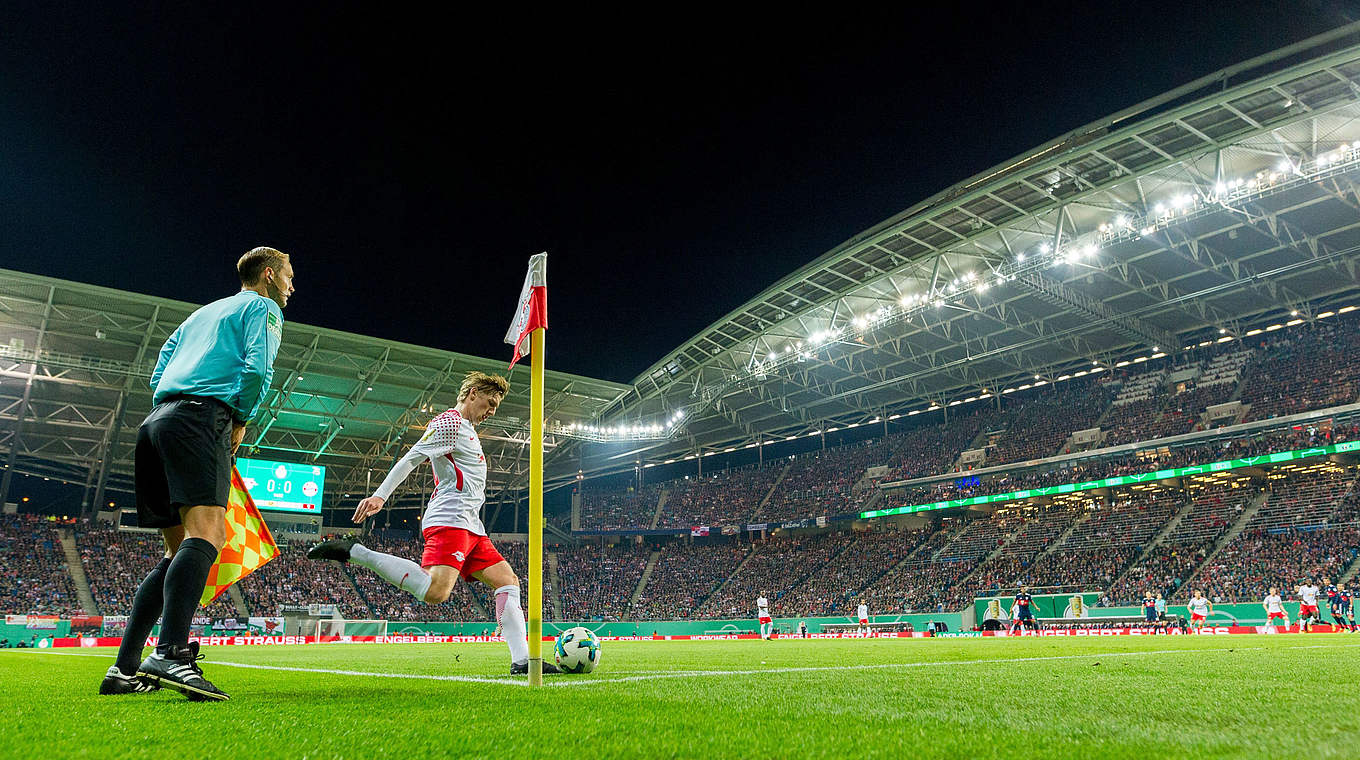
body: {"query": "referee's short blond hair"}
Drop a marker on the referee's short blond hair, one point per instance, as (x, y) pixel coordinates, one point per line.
(251, 265)
(483, 383)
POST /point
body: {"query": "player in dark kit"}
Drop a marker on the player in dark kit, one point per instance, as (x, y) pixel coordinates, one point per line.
(212, 373)
(1149, 608)
(1329, 589)
(1343, 611)
(1024, 610)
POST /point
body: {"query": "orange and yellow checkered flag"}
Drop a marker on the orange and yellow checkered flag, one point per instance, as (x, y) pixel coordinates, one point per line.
(249, 543)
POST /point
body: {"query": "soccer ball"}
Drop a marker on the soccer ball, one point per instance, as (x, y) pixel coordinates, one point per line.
(577, 650)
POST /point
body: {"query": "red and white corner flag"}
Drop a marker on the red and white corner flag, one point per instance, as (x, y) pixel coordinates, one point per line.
(532, 312)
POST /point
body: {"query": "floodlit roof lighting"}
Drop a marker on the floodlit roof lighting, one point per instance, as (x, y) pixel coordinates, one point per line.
(1089, 250)
(1285, 166)
(1257, 331)
(1019, 257)
(1274, 327)
(1293, 322)
(1225, 339)
(1045, 247)
(1345, 310)
(1293, 312)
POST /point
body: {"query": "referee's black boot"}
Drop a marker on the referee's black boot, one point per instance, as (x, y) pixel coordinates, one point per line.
(117, 683)
(176, 667)
(334, 548)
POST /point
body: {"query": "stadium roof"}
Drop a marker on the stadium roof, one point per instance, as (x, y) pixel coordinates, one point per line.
(75, 361)
(1202, 214)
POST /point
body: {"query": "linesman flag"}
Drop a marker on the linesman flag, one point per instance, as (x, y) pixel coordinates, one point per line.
(249, 543)
(532, 312)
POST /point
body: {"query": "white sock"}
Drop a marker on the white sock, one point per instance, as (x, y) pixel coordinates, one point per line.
(511, 618)
(402, 573)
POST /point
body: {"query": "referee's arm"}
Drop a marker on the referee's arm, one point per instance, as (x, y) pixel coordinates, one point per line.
(167, 351)
(260, 349)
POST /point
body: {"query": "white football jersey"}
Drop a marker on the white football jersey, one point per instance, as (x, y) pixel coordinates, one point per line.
(1274, 603)
(1309, 595)
(1199, 606)
(763, 606)
(864, 612)
(455, 453)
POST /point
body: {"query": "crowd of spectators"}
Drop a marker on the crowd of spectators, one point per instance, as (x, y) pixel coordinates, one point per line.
(596, 582)
(774, 569)
(918, 581)
(822, 483)
(685, 575)
(1304, 369)
(837, 587)
(1041, 424)
(1168, 566)
(34, 578)
(727, 497)
(612, 508)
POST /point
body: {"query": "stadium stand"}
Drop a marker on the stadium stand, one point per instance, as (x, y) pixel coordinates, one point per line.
(1303, 370)
(774, 568)
(726, 497)
(34, 579)
(684, 576)
(597, 582)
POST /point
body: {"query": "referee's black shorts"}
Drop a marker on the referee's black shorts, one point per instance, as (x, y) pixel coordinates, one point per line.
(183, 459)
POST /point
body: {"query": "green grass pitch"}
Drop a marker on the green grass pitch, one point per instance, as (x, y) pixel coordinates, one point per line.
(1179, 696)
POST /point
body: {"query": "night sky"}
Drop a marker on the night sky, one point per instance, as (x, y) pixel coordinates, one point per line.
(411, 165)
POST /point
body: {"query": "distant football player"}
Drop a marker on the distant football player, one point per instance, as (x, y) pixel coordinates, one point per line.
(763, 613)
(1308, 606)
(456, 544)
(1345, 609)
(1022, 610)
(1274, 607)
(862, 612)
(1149, 608)
(1200, 609)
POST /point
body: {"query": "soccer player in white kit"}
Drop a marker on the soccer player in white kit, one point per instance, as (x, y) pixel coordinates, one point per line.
(1308, 609)
(1200, 609)
(863, 613)
(763, 613)
(1274, 607)
(456, 544)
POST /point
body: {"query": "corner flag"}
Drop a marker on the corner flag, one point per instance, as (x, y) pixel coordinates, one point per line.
(249, 543)
(532, 311)
(531, 321)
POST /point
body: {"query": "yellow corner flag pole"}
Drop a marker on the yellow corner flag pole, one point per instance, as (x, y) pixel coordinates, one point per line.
(535, 568)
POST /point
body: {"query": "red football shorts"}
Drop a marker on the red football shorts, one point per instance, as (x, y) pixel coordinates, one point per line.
(1274, 615)
(458, 548)
(1193, 617)
(765, 620)
(1308, 609)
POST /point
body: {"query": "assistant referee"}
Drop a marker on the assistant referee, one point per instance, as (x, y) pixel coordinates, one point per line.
(212, 374)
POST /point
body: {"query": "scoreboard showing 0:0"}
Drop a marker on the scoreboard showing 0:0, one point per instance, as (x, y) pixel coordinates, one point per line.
(283, 486)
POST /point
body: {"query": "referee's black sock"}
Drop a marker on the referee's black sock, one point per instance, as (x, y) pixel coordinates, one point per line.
(146, 607)
(184, 581)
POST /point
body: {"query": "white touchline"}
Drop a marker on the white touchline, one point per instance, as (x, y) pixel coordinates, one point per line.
(704, 673)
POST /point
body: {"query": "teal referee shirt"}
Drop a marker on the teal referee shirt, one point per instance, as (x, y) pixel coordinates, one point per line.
(226, 351)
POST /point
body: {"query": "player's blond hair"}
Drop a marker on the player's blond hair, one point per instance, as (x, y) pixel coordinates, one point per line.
(483, 383)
